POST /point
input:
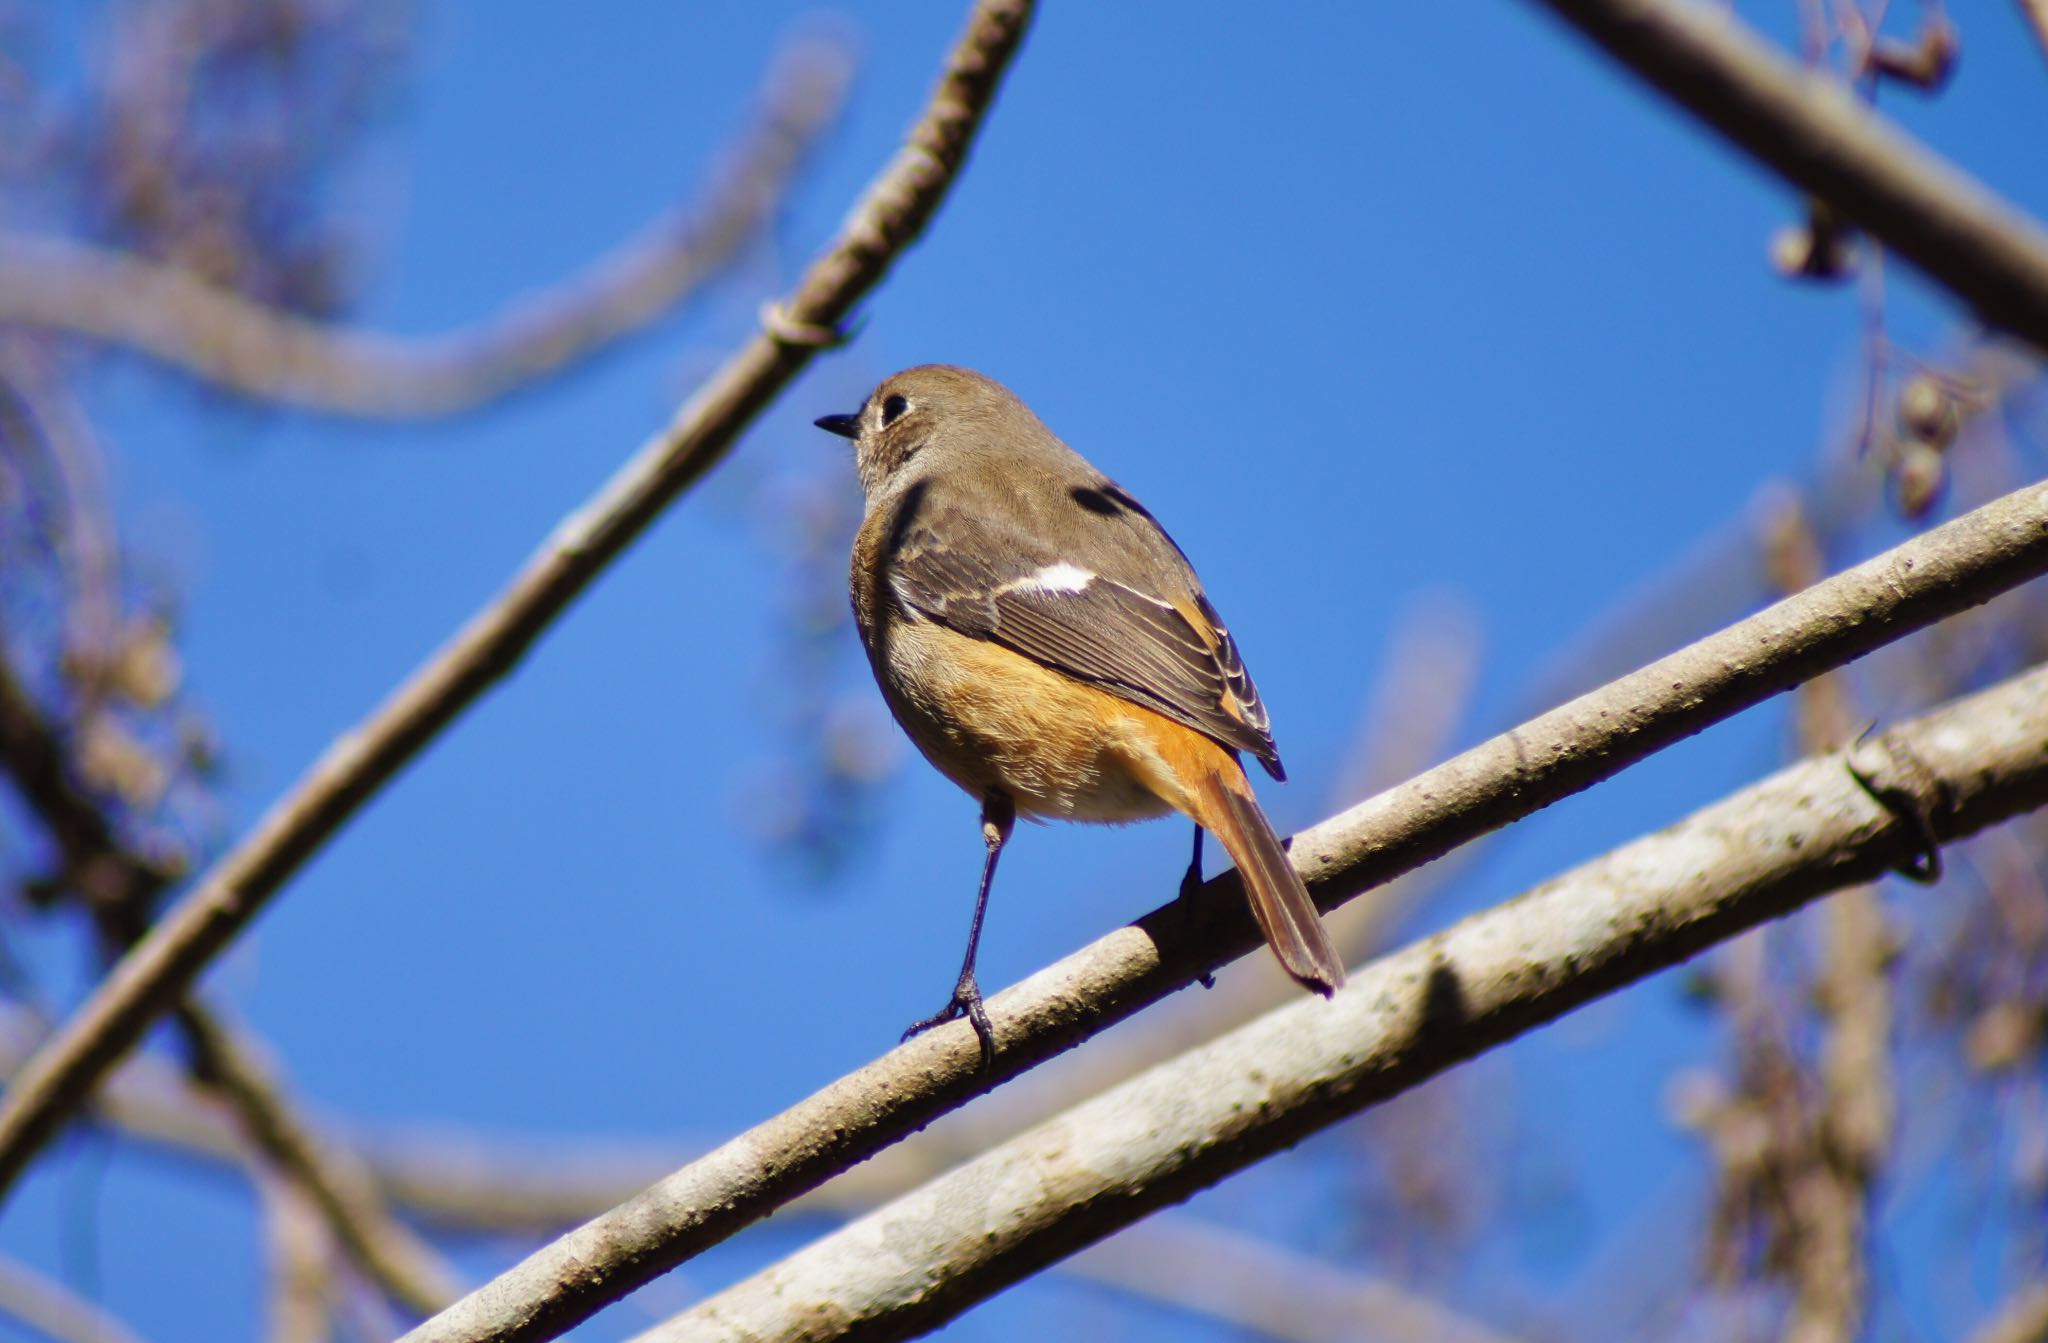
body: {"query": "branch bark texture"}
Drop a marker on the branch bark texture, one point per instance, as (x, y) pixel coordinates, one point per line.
(887, 219)
(1806, 831)
(1818, 135)
(1955, 566)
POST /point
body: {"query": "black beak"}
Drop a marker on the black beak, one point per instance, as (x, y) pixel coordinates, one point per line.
(846, 426)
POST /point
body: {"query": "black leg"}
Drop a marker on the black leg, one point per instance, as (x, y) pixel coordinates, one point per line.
(998, 814)
(1193, 880)
(1189, 884)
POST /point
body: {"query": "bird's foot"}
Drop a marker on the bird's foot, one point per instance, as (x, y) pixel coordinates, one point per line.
(965, 1002)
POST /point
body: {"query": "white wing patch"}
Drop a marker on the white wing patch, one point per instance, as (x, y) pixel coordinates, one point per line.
(1060, 577)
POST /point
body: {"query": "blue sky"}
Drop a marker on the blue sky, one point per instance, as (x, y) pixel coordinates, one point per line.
(1373, 305)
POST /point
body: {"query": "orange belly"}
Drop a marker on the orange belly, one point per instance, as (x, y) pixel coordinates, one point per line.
(988, 718)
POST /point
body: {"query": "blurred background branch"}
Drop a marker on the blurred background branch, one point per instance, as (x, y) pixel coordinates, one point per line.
(1820, 138)
(119, 887)
(189, 320)
(35, 1302)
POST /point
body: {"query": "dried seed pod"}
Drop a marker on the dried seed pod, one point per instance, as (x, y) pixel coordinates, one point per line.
(1919, 476)
(1926, 64)
(1822, 248)
(1928, 412)
(145, 668)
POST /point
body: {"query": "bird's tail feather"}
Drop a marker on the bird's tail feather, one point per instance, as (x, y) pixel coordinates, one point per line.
(1279, 901)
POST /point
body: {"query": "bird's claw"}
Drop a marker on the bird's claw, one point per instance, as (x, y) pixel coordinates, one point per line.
(965, 1002)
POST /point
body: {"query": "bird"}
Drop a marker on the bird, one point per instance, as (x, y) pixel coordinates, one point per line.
(1049, 648)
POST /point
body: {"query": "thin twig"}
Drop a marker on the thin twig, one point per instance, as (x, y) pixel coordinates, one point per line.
(1806, 831)
(213, 333)
(895, 210)
(51, 417)
(1820, 136)
(1962, 563)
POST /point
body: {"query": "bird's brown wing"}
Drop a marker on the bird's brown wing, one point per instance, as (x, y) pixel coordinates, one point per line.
(1091, 613)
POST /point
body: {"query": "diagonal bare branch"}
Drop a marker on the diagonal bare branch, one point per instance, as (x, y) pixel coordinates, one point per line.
(1960, 564)
(1818, 135)
(176, 317)
(1769, 849)
(888, 218)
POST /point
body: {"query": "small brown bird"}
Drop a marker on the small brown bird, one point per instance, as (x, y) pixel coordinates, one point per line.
(1048, 647)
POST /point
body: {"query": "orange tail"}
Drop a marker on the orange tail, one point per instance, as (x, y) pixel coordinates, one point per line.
(1225, 808)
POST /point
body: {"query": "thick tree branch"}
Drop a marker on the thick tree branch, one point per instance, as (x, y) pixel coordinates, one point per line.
(1817, 134)
(1965, 562)
(891, 215)
(1806, 831)
(213, 333)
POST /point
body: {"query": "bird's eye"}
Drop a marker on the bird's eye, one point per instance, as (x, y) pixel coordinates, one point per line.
(893, 408)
